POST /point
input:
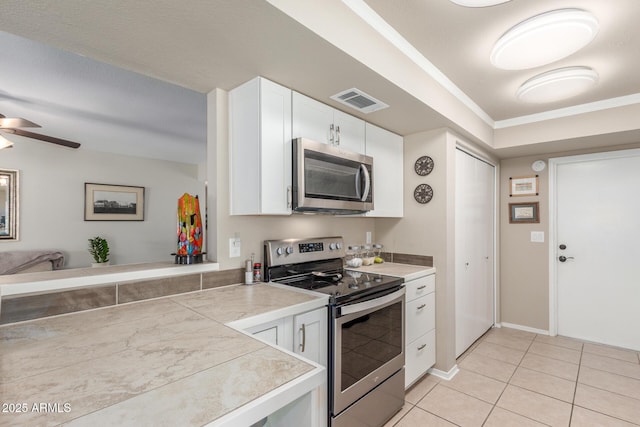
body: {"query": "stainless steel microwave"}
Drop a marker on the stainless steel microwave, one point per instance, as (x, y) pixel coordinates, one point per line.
(329, 179)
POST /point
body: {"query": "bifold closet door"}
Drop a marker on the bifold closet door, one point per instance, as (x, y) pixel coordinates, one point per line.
(474, 250)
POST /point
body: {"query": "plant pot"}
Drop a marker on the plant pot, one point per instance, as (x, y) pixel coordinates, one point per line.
(100, 264)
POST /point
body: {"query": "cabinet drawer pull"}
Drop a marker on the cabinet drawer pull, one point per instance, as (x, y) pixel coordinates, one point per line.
(420, 307)
(421, 287)
(421, 347)
(304, 338)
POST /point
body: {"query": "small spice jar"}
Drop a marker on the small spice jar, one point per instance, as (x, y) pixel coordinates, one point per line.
(257, 274)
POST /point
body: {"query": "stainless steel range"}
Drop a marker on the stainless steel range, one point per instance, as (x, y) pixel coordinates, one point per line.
(366, 327)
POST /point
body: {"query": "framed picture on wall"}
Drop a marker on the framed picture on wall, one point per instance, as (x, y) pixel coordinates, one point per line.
(524, 186)
(524, 213)
(107, 202)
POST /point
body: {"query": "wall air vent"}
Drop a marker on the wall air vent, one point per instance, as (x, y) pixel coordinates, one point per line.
(355, 98)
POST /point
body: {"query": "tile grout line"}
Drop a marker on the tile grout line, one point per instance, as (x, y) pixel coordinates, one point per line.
(507, 384)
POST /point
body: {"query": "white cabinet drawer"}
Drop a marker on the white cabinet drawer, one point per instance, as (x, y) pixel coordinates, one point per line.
(420, 355)
(420, 317)
(420, 287)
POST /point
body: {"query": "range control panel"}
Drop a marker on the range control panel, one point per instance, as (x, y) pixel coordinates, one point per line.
(294, 251)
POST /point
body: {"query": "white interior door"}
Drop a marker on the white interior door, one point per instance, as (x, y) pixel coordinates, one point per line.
(598, 285)
(474, 250)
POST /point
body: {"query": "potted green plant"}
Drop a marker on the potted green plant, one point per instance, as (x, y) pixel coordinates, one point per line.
(99, 250)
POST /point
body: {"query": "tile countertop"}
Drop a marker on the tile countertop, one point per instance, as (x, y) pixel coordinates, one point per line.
(169, 361)
(409, 272)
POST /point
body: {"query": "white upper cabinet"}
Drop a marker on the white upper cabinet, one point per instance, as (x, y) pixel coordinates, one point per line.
(260, 148)
(322, 123)
(387, 150)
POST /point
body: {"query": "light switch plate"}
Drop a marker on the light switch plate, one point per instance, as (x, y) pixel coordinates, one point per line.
(234, 247)
(537, 236)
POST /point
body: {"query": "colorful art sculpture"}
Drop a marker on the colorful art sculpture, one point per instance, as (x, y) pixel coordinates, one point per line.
(190, 232)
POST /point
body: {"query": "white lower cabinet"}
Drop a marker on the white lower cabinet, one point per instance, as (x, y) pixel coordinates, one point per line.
(420, 323)
(277, 332)
(310, 335)
(304, 334)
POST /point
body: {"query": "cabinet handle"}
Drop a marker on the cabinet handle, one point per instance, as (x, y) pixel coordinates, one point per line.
(420, 307)
(331, 134)
(422, 287)
(421, 347)
(289, 197)
(304, 338)
(337, 135)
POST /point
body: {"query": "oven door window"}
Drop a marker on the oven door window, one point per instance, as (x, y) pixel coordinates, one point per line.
(331, 177)
(370, 341)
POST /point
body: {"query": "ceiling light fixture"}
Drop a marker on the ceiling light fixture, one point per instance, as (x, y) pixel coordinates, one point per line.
(544, 39)
(558, 84)
(479, 3)
(5, 143)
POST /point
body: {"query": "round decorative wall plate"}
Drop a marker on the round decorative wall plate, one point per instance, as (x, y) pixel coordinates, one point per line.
(423, 193)
(424, 165)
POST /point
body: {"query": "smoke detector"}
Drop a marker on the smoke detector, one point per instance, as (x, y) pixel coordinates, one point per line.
(363, 102)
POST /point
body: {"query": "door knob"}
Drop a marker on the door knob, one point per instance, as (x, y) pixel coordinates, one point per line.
(563, 246)
(563, 258)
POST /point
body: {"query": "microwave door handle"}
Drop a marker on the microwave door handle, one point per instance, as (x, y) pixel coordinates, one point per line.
(357, 183)
(367, 183)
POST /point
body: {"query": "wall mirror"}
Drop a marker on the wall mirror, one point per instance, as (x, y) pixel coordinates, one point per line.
(8, 204)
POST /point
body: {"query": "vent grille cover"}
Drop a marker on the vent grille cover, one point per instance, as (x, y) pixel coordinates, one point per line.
(355, 98)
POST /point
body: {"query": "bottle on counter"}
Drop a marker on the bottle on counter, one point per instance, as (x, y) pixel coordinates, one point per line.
(248, 272)
(257, 274)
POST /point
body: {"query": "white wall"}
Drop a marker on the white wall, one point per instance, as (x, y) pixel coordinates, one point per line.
(52, 201)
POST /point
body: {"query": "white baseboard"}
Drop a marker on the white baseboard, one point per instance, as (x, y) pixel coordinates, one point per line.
(522, 328)
(444, 375)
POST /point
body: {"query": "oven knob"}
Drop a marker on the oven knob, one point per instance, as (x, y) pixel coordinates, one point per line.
(339, 245)
(332, 246)
(280, 251)
(289, 250)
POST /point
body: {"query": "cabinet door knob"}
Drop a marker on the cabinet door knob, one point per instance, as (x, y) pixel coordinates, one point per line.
(420, 307)
(421, 347)
(337, 135)
(421, 287)
(331, 134)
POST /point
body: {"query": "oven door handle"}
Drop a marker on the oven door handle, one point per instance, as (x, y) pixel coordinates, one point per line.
(373, 303)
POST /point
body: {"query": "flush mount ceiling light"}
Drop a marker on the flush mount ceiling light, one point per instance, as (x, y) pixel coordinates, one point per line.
(479, 3)
(558, 84)
(544, 39)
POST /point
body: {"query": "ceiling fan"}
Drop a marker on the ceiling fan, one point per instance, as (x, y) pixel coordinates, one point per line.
(10, 125)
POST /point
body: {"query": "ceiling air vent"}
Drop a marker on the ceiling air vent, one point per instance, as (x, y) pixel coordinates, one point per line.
(355, 98)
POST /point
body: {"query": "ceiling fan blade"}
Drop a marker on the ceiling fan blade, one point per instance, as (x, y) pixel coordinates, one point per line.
(45, 138)
(17, 123)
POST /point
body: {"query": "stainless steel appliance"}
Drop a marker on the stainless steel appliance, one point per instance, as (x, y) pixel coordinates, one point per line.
(329, 179)
(366, 327)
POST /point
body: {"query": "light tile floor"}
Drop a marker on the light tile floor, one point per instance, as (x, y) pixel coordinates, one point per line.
(515, 378)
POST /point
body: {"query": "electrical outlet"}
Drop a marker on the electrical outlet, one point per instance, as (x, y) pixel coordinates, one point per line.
(234, 247)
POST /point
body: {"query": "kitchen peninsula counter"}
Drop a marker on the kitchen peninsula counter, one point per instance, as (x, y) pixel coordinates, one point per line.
(168, 361)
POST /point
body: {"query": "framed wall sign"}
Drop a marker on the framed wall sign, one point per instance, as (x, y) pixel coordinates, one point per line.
(524, 213)
(106, 202)
(524, 186)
